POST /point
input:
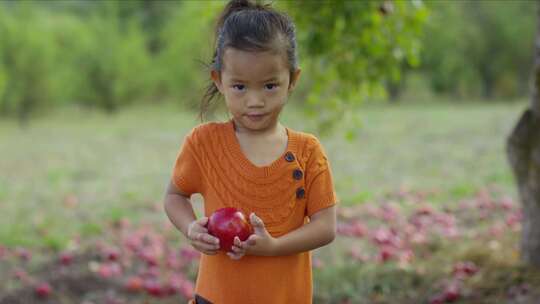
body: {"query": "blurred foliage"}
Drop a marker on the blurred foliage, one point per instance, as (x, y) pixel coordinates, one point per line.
(187, 52)
(115, 60)
(479, 48)
(110, 54)
(27, 75)
(352, 49)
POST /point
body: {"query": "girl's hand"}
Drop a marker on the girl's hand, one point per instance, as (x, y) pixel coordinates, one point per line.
(200, 239)
(259, 243)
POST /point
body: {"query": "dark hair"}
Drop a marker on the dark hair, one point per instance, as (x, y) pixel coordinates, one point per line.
(250, 26)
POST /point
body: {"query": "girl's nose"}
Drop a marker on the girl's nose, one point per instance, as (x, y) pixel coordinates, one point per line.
(254, 101)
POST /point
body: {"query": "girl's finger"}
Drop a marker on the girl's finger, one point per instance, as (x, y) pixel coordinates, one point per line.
(205, 237)
(202, 249)
(205, 246)
(252, 240)
(202, 221)
(237, 249)
(210, 251)
(195, 236)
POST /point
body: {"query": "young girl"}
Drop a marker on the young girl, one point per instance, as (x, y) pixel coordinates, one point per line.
(277, 176)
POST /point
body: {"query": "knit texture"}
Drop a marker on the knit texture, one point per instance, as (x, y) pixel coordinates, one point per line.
(212, 163)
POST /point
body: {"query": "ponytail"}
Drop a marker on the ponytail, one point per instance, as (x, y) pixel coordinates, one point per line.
(238, 5)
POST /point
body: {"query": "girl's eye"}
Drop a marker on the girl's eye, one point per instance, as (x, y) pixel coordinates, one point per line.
(271, 86)
(239, 87)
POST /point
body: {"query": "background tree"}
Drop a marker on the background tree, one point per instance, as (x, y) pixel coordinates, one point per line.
(26, 63)
(351, 49)
(478, 48)
(523, 149)
(110, 54)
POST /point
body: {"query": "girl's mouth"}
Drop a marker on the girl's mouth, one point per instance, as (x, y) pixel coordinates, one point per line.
(255, 117)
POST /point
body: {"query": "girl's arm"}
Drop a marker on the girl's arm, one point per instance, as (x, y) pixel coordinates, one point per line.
(178, 208)
(320, 231)
(180, 212)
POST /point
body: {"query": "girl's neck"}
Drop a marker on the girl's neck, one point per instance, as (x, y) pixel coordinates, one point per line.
(276, 129)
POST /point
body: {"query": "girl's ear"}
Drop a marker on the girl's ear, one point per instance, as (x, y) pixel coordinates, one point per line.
(294, 78)
(216, 78)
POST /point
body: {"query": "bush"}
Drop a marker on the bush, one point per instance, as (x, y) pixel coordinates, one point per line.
(27, 61)
(181, 71)
(114, 61)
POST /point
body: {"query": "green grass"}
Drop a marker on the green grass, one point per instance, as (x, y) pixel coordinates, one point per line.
(455, 149)
(119, 165)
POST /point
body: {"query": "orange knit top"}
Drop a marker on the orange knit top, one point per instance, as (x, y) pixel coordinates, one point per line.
(283, 194)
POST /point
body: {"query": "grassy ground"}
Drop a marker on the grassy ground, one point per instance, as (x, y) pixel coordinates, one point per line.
(453, 149)
(66, 173)
(101, 178)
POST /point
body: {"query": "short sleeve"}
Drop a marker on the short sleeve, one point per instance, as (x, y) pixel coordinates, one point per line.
(319, 181)
(186, 173)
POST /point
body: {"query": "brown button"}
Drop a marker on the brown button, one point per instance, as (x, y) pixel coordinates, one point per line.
(297, 174)
(300, 192)
(289, 157)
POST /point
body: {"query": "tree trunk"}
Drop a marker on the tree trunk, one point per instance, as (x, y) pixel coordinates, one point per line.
(395, 88)
(523, 151)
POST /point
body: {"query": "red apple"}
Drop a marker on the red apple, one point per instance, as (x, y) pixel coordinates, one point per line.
(225, 224)
(112, 254)
(66, 258)
(386, 253)
(463, 269)
(154, 288)
(43, 290)
(439, 299)
(451, 293)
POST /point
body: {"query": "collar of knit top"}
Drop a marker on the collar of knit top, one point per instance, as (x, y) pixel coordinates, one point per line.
(236, 150)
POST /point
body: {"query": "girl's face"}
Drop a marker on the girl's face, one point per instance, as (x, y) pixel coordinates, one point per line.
(255, 86)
